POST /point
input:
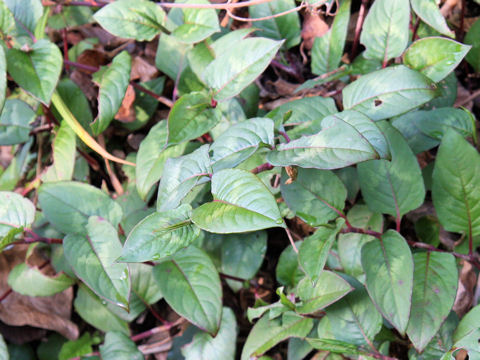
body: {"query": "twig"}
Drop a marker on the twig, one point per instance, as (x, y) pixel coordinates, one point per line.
(162, 99)
(465, 101)
(81, 66)
(155, 330)
(117, 185)
(5, 294)
(231, 277)
(356, 230)
(358, 29)
(283, 13)
(223, 6)
(415, 29)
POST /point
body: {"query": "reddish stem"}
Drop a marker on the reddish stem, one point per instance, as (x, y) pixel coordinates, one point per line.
(358, 29)
(263, 167)
(81, 66)
(5, 294)
(285, 136)
(65, 48)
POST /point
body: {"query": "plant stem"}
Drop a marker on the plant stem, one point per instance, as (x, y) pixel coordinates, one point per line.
(263, 167)
(81, 66)
(358, 29)
(285, 136)
(231, 277)
(162, 99)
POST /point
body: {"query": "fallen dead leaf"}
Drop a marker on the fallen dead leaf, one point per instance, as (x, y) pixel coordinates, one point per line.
(51, 312)
(466, 285)
(142, 70)
(313, 26)
(126, 113)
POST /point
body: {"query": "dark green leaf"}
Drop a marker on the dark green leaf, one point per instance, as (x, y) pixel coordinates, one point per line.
(428, 11)
(15, 122)
(69, 204)
(241, 203)
(160, 235)
(191, 286)
(473, 38)
(198, 24)
(37, 70)
(288, 271)
(79, 347)
(92, 258)
(434, 290)
(389, 92)
(142, 20)
(3, 70)
(455, 191)
(118, 346)
(388, 265)
(334, 346)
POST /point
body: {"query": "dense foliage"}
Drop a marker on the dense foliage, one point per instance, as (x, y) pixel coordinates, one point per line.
(151, 179)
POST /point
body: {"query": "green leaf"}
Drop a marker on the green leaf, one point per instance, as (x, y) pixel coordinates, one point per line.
(15, 122)
(388, 265)
(328, 149)
(3, 71)
(277, 28)
(3, 349)
(191, 286)
(266, 333)
(435, 57)
(170, 58)
(32, 282)
(151, 157)
(68, 204)
(428, 11)
(394, 187)
(455, 191)
(183, 174)
(144, 285)
(15, 212)
(467, 333)
(64, 151)
(26, 12)
(190, 117)
(313, 252)
(316, 196)
(221, 347)
(160, 235)
(327, 50)
(17, 168)
(142, 20)
(385, 30)
(242, 255)
(7, 22)
(241, 203)
(423, 129)
(236, 68)
(198, 24)
(288, 271)
(473, 38)
(389, 92)
(76, 101)
(95, 312)
(325, 291)
(350, 245)
(240, 141)
(334, 346)
(70, 16)
(118, 346)
(113, 85)
(37, 70)
(354, 319)
(73, 348)
(93, 257)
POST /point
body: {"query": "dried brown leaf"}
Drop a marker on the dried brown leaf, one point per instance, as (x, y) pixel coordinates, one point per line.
(313, 26)
(466, 285)
(126, 113)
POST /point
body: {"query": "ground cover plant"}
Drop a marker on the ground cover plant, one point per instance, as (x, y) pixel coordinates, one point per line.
(265, 179)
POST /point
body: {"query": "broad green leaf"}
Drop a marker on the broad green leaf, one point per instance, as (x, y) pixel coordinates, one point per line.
(334, 346)
(242, 255)
(455, 191)
(94, 311)
(278, 28)
(328, 150)
(316, 196)
(288, 272)
(392, 187)
(428, 11)
(151, 157)
(3, 70)
(423, 129)
(191, 286)
(306, 114)
(388, 266)
(160, 235)
(313, 252)
(221, 347)
(142, 20)
(113, 84)
(190, 117)
(64, 151)
(389, 92)
(385, 30)
(15, 122)
(7, 21)
(36, 71)
(73, 348)
(15, 212)
(76, 101)
(198, 24)
(144, 285)
(350, 245)
(118, 346)
(435, 57)
(10, 177)
(240, 141)
(93, 257)
(241, 203)
(473, 38)
(467, 333)
(71, 16)
(183, 174)
(315, 296)
(327, 50)
(354, 319)
(171, 56)
(236, 68)
(32, 282)
(68, 204)
(434, 289)
(26, 12)
(266, 333)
